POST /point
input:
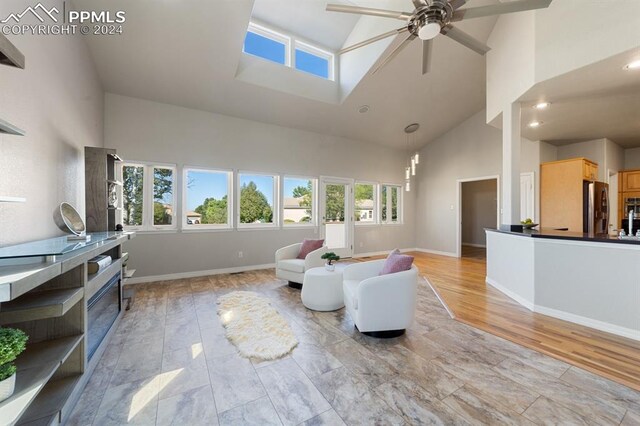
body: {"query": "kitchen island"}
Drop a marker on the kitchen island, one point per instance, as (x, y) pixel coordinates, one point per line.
(589, 280)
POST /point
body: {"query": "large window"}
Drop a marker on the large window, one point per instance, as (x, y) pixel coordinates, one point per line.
(257, 200)
(391, 204)
(148, 192)
(365, 198)
(298, 203)
(207, 196)
(288, 51)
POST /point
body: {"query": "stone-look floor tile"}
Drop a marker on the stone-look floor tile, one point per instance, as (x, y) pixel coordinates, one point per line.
(255, 413)
(490, 383)
(562, 393)
(416, 405)
(292, 393)
(136, 362)
(463, 342)
(193, 407)
(362, 363)
(631, 419)
(146, 323)
(216, 345)
(234, 382)
(328, 418)
(429, 376)
(480, 412)
(603, 387)
(426, 348)
(89, 402)
(547, 412)
(180, 335)
(182, 370)
(324, 334)
(130, 403)
(314, 359)
(352, 399)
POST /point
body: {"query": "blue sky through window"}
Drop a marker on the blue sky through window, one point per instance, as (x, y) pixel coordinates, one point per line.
(264, 47)
(203, 185)
(312, 64)
(264, 184)
(291, 183)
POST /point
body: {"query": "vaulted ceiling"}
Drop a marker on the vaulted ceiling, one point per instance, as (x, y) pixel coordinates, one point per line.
(186, 53)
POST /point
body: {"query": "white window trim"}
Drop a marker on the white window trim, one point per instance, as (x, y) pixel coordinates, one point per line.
(315, 51)
(147, 197)
(376, 197)
(230, 201)
(314, 203)
(272, 35)
(276, 201)
(400, 220)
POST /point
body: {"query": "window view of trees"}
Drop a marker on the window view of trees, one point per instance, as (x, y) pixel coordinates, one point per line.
(256, 199)
(389, 203)
(298, 201)
(162, 196)
(207, 197)
(364, 202)
(334, 203)
(132, 194)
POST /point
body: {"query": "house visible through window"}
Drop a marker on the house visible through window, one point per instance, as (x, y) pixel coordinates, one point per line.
(207, 198)
(298, 203)
(365, 203)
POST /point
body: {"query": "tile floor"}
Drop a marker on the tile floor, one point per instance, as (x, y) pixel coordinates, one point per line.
(170, 364)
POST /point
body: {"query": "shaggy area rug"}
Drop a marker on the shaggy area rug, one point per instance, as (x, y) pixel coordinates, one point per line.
(254, 326)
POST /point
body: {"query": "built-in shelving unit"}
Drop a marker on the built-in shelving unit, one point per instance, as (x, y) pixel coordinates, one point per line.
(41, 305)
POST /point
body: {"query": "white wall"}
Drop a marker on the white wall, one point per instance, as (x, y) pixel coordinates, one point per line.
(594, 150)
(58, 101)
(149, 131)
(479, 210)
(472, 149)
(632, 158)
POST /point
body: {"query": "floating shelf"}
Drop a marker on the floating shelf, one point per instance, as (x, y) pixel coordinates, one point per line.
(36, 365)
(40, 305)
(4, 199)
(10, 129)
(49, 402)
(51, 420)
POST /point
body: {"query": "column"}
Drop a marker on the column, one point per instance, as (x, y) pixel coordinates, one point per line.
(511, 145)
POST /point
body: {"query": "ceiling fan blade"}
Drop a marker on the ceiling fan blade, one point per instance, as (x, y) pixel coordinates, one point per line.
(373, 40)
(499, 9)
(418, 3)
(368, 11)
(427, 47)
(465, 39)
(394, 53)
(455, 4)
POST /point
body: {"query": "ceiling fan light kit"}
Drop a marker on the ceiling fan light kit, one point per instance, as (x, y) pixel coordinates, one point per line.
(430, 18)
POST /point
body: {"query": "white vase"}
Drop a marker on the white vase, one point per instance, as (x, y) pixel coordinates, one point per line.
(7, 386)
(330, 268)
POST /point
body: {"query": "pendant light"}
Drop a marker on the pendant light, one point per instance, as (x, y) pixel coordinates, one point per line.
(416, 157)
(410, 170)
(407, 185)
(413, 166)
(407, 172)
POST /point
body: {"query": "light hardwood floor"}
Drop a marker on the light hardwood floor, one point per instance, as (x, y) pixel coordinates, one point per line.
(169, 363)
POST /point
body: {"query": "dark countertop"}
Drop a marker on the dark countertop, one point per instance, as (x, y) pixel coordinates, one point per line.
(564, 235)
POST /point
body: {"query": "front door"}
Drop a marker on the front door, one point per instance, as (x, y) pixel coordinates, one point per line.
(336, 217)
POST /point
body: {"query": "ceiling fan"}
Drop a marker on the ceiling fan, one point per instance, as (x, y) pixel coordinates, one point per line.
(433, 17)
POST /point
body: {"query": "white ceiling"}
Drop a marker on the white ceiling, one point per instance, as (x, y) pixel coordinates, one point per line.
(307, 19)
(168, 53)
(601, 100)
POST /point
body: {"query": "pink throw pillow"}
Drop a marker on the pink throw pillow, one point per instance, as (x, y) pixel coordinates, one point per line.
(396, 262)
(308, 246)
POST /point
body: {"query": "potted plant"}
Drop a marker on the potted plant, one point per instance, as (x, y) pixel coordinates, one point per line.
(330, 257)
(12, 343)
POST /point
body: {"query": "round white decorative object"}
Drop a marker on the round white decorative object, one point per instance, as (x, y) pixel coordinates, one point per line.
(429, 30)
(7, 386)
(68, 219)
(331, 267)
(322, 289)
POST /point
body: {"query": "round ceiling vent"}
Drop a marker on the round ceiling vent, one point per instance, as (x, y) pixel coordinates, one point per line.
(411, 128)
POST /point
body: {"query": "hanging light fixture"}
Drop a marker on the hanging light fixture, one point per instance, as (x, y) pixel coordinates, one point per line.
(407, 172)
(416, 157)
(410, 170)
(413, 166)
(407, 185)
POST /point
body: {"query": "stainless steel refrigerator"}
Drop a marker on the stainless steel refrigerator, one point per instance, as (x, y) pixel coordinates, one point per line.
(595, 211)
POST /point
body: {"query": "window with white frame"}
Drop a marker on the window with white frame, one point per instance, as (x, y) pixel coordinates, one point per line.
(298, 201)
(365, 203)
(391, 204)
(207, 198)
(148, 196)
(257, 200)
(287, 50)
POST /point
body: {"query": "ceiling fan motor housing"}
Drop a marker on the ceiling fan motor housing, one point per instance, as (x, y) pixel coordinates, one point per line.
(438, 12)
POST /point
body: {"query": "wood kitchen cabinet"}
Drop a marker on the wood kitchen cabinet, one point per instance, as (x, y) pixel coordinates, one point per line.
(561, 192)
(630, 180)
(629, 188)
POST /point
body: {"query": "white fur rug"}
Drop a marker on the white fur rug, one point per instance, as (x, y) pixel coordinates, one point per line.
(254, 326)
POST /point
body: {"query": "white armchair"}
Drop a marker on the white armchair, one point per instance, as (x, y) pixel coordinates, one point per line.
(380, 306)
(292, 269)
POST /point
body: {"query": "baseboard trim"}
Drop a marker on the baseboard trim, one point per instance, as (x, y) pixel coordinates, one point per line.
(193, 274)
(381, 253)
(439, 253)
(521, 300)
(474, 245)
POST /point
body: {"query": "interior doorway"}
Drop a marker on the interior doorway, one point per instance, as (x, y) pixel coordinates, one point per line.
(479, 208)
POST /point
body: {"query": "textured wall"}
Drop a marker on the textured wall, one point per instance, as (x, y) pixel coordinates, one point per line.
(58, 100)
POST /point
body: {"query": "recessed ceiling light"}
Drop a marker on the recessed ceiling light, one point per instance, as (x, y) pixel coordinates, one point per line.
(535, 124)
(363, 109)
(542, 105)
(632, 65)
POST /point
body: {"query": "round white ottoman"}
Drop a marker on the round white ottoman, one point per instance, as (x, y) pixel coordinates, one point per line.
(322, 289)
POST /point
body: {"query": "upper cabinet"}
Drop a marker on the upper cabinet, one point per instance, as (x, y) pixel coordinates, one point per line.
(9, 54)
(589, 170)
(631, 180)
